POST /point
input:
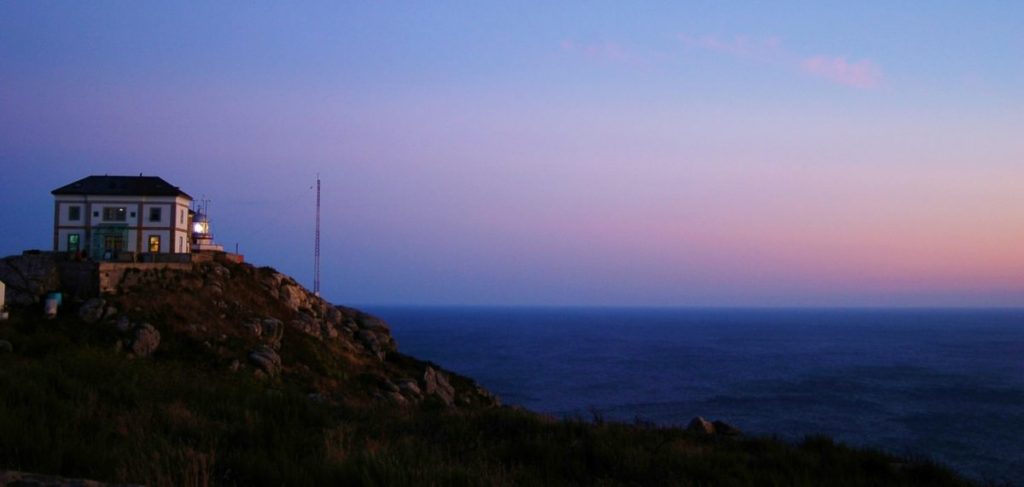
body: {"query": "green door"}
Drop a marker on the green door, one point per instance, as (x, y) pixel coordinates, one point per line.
(107, 241)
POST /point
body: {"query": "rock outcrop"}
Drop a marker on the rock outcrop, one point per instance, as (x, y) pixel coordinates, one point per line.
(436, 384)
(266, 359)
(29, 277)
(726, 429)
(701, 425)
(250, 320)
(92, 310)
(717, 427)
(145, 340)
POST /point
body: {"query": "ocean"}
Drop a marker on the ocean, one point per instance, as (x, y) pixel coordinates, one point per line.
(946, 385)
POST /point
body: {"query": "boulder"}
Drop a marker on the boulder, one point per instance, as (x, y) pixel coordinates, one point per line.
(372, 323)
(272, 330)
(145, 340)
(272, 280)
(306, 324)
(255, 328)
(435, 383)
(292, 296)
(372, 333)
(220, 271)
(28, 277)
(266, 359)
(92, 310)
(333, 315)
(370, 342)
(409, 387)
(349, 325)
(328, 331)
(123, 324)
(701, 425)
(726, 429)
(487, 396)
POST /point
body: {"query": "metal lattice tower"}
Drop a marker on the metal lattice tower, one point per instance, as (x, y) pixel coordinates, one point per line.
(316, 246)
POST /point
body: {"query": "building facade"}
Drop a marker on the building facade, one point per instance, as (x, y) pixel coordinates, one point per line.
(104, 216)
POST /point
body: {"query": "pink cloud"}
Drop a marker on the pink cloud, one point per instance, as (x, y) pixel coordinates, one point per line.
(740, 46)
(770, 51)
(860, 74)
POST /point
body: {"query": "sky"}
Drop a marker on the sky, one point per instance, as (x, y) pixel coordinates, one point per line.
(591, 153)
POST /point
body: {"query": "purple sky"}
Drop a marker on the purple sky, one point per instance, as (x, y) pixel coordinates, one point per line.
(594, 153)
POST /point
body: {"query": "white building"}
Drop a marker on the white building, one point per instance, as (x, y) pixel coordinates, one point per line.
(104, 215)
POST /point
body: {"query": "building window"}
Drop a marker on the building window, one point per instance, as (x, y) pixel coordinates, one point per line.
(74, 213)
(181, 244)
(181, 217)
(73, 242)
(114, 214)
(154, 243)
(155, 214)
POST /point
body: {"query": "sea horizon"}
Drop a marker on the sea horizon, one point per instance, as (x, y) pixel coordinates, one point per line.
(937, 383)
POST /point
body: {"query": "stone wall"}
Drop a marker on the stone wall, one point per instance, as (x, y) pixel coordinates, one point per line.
(110, 274)
(33, 274)
(214, 256)
(30, 276)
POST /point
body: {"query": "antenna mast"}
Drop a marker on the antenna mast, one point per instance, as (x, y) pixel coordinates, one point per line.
(316, 247)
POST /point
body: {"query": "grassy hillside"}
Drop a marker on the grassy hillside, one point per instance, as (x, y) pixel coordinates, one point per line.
(78, 401)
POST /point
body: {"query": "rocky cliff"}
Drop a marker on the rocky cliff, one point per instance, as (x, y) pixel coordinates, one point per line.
(228, 374)
(250, 320)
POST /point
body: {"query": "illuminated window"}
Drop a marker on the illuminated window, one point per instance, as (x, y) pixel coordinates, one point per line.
(154, 243)
(155, 214)
(74, 213)
(72, 242)
(114, 214)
